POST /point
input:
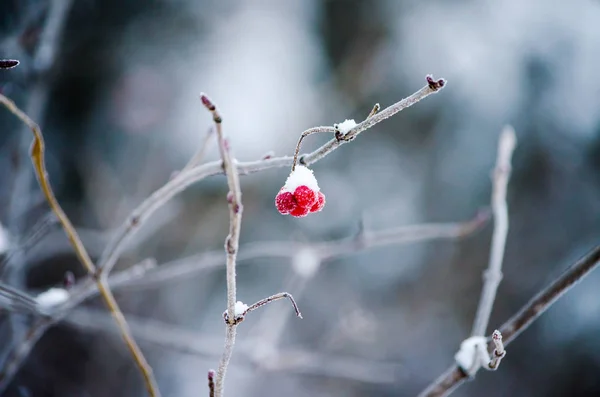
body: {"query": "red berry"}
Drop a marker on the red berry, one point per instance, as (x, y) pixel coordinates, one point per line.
(285, 202)
(305, 196)
(319, 204)
(299, 212)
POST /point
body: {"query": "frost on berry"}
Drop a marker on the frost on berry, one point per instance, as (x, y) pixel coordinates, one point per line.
(305, 196)
(285, 202)
(300, 212)
(301, 194)
(318, 206)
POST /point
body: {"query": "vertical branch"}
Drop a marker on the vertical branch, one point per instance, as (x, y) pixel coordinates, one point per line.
(37, 157)
(234, 197)
(493, 274)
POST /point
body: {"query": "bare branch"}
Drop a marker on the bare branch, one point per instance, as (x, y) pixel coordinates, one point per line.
(493, 274)
(14, 300)
(205, 347)
(184, 179)
(325, 251)
(374, 111)
(498, 353)
(211, 383)
(273, 298)
(234, 197)
(199, 155)
(531, 311)
(310, 131)
(37, 157)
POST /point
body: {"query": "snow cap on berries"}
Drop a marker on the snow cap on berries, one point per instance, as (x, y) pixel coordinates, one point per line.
(301, 176)
(300, 195)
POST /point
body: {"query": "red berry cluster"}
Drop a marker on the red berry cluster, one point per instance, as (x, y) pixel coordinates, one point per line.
(300, 203)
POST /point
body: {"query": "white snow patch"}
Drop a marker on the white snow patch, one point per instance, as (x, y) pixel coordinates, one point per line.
(301, 176)
(472, 354)
(240, 308)
(306, 262)
(52, 297)
(346, 126)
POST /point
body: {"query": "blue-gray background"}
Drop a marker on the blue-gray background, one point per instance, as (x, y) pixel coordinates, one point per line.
(120, 113)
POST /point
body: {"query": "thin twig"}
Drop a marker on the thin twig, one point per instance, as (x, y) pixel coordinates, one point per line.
(374, 111)
(310, 131)
(206, 347)
(273, 298)
(37, 157)
(325, 251)
(138, 216)
(234, 197)
(146, 273)
(211, 383)
(498, 353)
(14, 300)
(531, 311)
(493, 274)
(199, 155)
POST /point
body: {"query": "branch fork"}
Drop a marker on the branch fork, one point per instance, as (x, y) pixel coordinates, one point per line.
(242, 309)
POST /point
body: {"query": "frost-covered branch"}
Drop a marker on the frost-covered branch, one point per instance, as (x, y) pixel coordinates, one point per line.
(531, 311)
(325, 251)
(148, 274)
(234, 198)
(183, 180)
(493, 274)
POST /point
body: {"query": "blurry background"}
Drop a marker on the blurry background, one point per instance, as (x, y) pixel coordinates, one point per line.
(116, 94)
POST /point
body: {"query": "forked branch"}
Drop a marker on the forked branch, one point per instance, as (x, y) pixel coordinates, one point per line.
(453, 377)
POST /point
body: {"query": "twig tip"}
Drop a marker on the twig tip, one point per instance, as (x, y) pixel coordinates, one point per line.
(8, 63)
(434, 84)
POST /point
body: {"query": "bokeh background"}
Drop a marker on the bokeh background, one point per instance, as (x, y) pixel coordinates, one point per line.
(116, 93)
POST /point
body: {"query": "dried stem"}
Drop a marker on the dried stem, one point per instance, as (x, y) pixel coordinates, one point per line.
(37, 157)
(310, 131)
(531, 311)
(324, 250)
(160, 197)
(493, 274)
(234, 197)
(211, 383)
(147, 273)
(199, 155)
(498, 353)
(272, 298)
(14, 300)
(8, 63)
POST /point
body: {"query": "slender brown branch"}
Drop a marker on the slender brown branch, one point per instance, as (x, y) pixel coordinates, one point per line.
(211, 383)
(234, 197)
(531, 311)
(176, 185)
(37, 157)
(493, 274)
